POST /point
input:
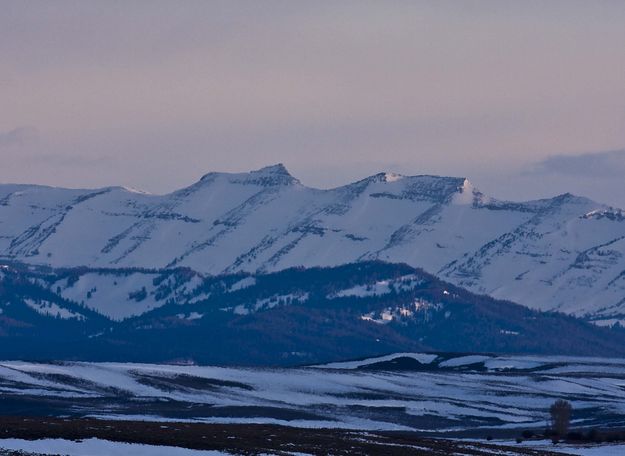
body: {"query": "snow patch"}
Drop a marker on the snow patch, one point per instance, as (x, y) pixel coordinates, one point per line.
(243, 283)
(51, 309)
(423, 358)
(268, 303)
(190, 316)
(392, 177)
(382, 287)
(465, 195)
(464, 360)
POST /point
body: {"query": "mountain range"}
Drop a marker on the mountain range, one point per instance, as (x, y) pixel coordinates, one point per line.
(564, 254)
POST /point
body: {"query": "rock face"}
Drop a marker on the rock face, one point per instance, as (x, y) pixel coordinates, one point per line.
(565, 253)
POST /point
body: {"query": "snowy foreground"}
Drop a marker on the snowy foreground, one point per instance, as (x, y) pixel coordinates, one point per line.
(443, 394)
(97, 447)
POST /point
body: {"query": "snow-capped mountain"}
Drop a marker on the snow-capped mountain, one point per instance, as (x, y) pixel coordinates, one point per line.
(565, 253)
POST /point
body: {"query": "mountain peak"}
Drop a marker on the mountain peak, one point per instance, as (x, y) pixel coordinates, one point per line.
(384, 177)
(273, 175)
(277, 169)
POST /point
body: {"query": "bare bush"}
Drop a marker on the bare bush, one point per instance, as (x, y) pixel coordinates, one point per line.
(560, 412)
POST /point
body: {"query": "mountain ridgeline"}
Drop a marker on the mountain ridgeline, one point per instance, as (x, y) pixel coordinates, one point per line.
(565, 253)
(290, 317)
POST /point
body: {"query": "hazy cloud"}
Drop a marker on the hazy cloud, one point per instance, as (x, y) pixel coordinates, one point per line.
(593, 164)
(18, 136)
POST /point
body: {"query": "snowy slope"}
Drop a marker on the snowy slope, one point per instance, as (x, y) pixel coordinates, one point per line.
(119, 296)
(564, 253)
(496, 392)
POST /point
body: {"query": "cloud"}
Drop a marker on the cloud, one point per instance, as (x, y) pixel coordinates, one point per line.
(18, 136)
(593, 164)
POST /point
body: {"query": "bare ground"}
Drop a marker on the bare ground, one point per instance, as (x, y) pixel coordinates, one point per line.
(249, 439)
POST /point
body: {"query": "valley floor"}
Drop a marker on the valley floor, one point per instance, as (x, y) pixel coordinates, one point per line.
(435, 394)
(407, 403)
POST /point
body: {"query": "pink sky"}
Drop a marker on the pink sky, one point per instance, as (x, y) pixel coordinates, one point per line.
(527, 99)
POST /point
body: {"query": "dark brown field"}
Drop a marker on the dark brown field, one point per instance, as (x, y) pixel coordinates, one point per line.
(249, 439)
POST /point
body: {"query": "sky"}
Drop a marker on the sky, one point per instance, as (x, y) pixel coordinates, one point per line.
(526, 99)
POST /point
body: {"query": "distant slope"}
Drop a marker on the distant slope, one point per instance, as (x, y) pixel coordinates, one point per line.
(290, 317)
(566, 253)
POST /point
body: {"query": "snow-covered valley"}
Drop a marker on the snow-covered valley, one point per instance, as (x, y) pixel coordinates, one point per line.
(442, 394)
